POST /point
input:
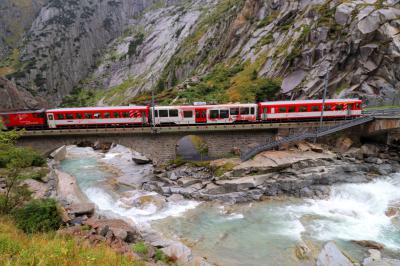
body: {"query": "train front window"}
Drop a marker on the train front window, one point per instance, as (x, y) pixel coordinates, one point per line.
(163, 113)
(224, 113)
(69, 116)
(214, 114)
(245, 111)
(78, 116)
(173, 113)
(60, 116)
(187, 114)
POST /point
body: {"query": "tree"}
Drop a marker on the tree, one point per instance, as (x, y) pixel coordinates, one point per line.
(12, 161)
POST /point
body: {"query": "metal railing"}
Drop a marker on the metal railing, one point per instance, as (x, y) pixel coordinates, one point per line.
(305, 135)
(382, 112)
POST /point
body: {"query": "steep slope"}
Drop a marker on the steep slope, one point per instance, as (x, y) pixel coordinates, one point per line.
(16, 17)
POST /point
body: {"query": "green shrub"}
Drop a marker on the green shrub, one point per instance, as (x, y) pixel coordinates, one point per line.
(161, 256)
(140, 248)
(27, 157)
(38, 216)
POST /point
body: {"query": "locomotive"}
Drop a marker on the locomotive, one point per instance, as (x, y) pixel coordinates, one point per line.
(199, 114)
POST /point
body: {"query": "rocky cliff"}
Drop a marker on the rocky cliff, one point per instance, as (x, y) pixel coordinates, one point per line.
(116, 52)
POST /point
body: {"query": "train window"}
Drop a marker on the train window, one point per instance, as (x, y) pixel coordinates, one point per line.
(224, 113)
(125, 114)
(41, 115)
(173, 113)
(282, 109)
(88, 115)
(69, 116)
(328, 108)
(163, 113)
(187, 114)
(358, 106)
(339, 107)
(135, 114)
(244, 111)
(60, 116)
(51, 117)
(214, 114)
(266, 110)
(315, 108)
(78, 116)
(252, 110)
(156, 113)
(107, 115)
(234, 111)
(302, 108)
(97, 115)
(292, 109)
(117, 115)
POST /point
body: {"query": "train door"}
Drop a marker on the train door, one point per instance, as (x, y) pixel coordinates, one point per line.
(50, 121)
(201, 115)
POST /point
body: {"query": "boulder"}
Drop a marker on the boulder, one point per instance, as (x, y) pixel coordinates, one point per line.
(243, 183)
(143, 201)
(187, 181)
(343, 144)
(59, 154)
(369, 244)
(369, 150)
(375, 255)
(140, 159)
(38, 189)
(384, 262)
(119, 228)
(81, 209)
(103, 146)
(343, 13)
(181, 253)
(332, 256)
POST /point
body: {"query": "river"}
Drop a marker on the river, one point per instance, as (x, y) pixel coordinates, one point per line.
(258, 233)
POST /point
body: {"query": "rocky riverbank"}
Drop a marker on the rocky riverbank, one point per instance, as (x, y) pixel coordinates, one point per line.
(306, 170)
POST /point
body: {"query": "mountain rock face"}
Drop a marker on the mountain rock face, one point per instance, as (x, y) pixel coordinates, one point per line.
(117, 51)
(13, 98)
(16, 17)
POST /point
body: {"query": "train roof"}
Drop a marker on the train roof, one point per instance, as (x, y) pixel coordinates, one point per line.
(110, 108)
(312, 101)
(23, 112)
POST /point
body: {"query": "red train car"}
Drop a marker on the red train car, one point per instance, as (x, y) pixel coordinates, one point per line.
(309, 109)
(24, 119)
(98, 116)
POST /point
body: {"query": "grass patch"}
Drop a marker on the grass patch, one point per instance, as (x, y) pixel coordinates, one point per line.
(140, 248)
(18, 248)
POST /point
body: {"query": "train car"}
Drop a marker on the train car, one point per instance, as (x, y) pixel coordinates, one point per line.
(309, 109)
(24, 119)
(118, 116)
(205, 114)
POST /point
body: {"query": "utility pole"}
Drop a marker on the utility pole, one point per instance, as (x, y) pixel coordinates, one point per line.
(153, 125)
(321, 120)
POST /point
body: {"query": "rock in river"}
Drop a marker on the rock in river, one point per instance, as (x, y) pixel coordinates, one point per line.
(332, 256)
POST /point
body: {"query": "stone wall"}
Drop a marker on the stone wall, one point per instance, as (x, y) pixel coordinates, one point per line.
(159, 147)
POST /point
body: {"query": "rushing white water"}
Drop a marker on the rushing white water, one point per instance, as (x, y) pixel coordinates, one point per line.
(355, 212)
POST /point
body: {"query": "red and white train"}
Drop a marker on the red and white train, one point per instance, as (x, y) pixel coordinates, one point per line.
(124, 116)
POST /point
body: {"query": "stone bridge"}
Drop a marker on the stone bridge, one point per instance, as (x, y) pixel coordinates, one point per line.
(160, 144)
